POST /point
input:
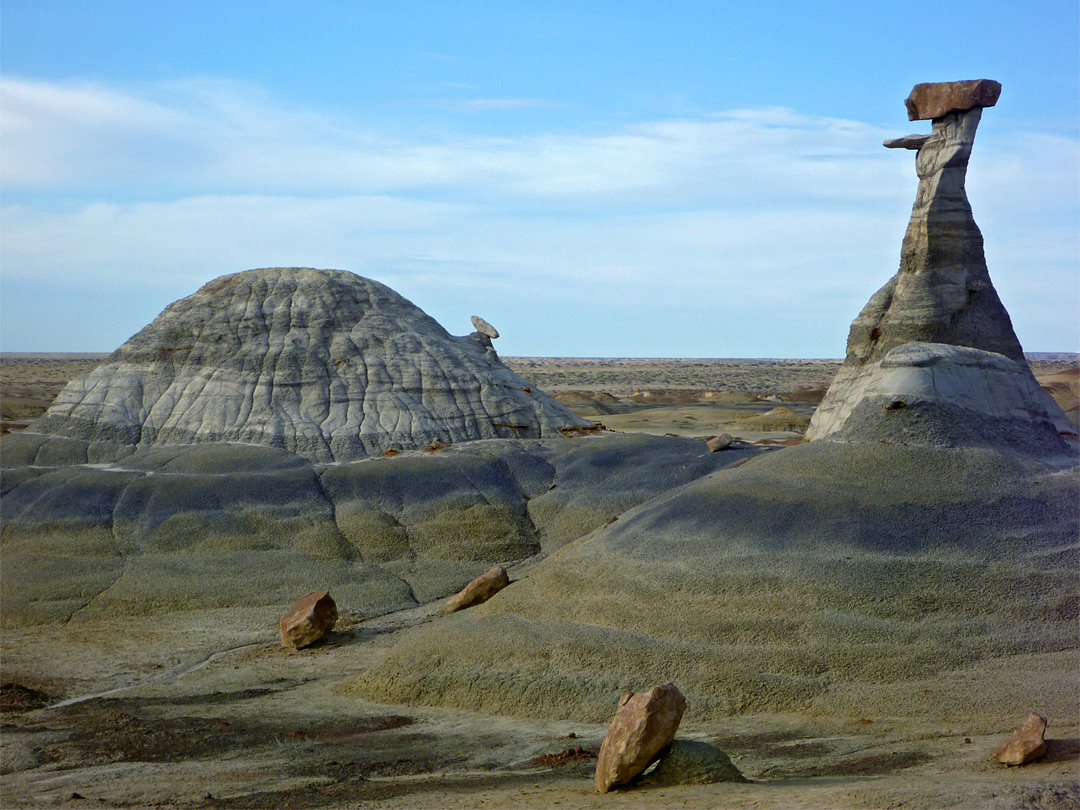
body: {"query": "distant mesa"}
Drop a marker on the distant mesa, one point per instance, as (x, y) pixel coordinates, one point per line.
(321, 363)
(937, 336)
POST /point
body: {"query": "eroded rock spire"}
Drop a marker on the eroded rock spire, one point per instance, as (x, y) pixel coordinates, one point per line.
(932, 357)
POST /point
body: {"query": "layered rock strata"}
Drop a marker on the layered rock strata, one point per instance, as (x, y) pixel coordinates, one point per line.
(942, 293)
(322, 363)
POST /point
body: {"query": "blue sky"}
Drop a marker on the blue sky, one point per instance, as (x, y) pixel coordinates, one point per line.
(688, 179)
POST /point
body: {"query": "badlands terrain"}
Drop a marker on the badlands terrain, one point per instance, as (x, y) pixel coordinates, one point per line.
(860, 575)
(203, 708)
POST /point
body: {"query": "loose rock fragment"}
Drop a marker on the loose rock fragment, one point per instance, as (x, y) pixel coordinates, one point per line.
(1027, 744)
(312, 617)
(642, 726)
(478, 591)
(719, 442)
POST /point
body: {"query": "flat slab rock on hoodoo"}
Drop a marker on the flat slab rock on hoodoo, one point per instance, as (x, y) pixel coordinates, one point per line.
(322, 363)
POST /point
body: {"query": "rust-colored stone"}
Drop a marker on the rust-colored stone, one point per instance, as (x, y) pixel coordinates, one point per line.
(642, 726)
(312, 617)
(1026, 744)
(935, 99)
(478, 591)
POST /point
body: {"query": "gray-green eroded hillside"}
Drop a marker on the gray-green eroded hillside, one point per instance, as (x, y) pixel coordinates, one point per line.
(219, 525)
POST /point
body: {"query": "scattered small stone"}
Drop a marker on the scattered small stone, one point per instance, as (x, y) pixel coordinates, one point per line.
(643, 724)
(1027, 744)
(721, 442)
(312, 617)
(478, 591)
(896, 405)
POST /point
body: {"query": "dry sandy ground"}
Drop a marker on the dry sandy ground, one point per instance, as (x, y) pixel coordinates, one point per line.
(204, 709)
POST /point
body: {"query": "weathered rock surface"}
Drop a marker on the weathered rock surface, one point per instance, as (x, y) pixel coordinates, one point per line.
(311, 618)
(217, 525)
(1027, 744)
(478, 591)
(322, 363)
(942, 293)
(828, 577)
(643, 724)
(933, 100)
(484, 328)
(689, 762)
(938, 395)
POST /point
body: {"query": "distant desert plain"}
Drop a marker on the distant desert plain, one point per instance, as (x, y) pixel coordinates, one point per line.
(205, 709)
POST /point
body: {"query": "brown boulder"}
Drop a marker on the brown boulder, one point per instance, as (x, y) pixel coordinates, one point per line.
(935, 99)
(312, 617)
(720, 442)
(478, 591)
(1026, 744)
(643, 724)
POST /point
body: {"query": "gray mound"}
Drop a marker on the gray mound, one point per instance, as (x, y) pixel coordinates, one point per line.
(219, 525)
(322, 363)
(948, 396)
(825, 577)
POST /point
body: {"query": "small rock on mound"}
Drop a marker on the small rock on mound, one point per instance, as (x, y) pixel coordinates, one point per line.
(322, 363)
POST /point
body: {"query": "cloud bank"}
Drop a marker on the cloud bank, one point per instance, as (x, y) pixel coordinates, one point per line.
(753, 232)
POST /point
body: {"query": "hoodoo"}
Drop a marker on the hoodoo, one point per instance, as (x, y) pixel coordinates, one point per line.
(322, 363)
(932, 357)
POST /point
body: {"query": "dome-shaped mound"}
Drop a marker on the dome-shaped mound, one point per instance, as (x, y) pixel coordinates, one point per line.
(323, 363)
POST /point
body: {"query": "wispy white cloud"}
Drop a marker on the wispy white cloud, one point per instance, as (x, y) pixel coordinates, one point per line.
(687, 228)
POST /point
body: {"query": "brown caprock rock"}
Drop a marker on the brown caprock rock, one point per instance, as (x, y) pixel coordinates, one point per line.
(941, 297)
(478, 591)
(312, 617)
(643, 724)
(937, 99)
(1026, 744)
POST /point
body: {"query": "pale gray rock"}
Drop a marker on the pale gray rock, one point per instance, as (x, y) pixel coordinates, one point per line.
(689, 762)
(322, 363)
(907, 142)
(942, 294)
(484, 328)
(933, 394)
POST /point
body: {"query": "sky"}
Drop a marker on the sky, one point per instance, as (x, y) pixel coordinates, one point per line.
(596, 179)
